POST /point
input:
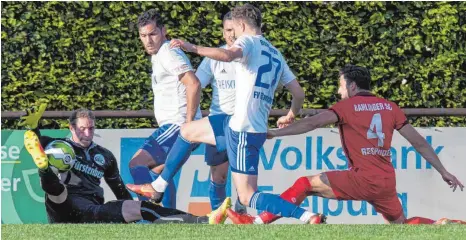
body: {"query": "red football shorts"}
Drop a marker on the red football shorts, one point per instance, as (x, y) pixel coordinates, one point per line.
(376, 189)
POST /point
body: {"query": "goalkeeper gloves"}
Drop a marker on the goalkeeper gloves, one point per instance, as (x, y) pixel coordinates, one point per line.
(31, 120)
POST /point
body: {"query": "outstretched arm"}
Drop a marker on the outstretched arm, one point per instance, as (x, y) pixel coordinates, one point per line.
(428, 153)
(219, 54)
(305, 125)
(113, 179)
(296, 103)
(31, 121)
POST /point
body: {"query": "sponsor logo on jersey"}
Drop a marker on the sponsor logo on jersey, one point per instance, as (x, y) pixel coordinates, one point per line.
(99, 159)
(88, 170)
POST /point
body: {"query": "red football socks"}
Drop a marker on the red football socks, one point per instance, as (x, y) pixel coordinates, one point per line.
(295, 194)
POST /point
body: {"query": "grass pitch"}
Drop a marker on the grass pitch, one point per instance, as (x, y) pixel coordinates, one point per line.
(241, 232)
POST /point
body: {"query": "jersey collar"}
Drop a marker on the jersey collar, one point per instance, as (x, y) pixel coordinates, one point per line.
(364, 94)
(92, 145)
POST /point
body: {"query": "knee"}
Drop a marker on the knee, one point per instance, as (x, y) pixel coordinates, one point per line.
(142, 158)
(158, 170)
(218, 176)
(135, 161)
(317, 181)
(186, 132)
(304, 182)
(131, 211)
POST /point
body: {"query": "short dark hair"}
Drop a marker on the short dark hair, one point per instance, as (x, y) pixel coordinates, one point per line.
(80, 113)
(248, 13)
(359, 75)
(227, 17)
(150, 16)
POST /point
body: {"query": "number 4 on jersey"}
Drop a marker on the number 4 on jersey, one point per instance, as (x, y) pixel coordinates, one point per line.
(375, 130)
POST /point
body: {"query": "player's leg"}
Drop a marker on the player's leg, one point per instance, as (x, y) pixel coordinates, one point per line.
(199, 131)
(169, 198)
(127, 211)
(243, 154)
(196, 131)
(191, 133)
(143, 210)
(303, 187)
(218, 163)
(56, 197)
(149, 160)
(441, 221)
(392, 211)
(56, 203)
(334, 184)
(388, 204)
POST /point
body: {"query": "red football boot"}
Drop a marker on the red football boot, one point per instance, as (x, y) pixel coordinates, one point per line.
(237, 218)
(146, 190)
(318, 219)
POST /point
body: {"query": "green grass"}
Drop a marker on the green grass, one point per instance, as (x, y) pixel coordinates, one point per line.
(237, 232)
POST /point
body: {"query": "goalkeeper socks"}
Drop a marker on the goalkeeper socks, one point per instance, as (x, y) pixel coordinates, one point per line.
(183, 218)
(169, 198)
(50, 182)
(278, 206)
(177, 156)
(217, 194)
(295, 194)
(151, 211)
(141, 175)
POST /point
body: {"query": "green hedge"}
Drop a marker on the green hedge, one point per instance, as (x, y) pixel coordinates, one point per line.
(88, 54)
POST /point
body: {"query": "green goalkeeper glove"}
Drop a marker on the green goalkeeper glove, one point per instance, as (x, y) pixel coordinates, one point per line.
(31, 120)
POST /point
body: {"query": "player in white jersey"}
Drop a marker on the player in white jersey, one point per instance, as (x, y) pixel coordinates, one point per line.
(176, 100)
(221, 76)
(260, 67)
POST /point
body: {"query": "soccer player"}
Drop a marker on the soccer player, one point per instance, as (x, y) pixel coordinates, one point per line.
(221, 76)
(366, 125)
(259, 69)
(176, 101)
(75, 196)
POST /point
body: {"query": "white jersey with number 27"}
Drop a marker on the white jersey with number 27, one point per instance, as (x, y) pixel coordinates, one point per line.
(258, 73)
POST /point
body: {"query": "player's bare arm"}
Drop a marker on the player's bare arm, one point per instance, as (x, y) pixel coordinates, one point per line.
(305, 125)
(219, 54)
(193, 94)
(428, 153)
(296, 103)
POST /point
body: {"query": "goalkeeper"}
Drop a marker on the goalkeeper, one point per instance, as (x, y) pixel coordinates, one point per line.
(75, 196)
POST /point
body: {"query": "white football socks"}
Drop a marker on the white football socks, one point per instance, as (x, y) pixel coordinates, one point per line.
(258, 220)
(306, 217)
(159, 184)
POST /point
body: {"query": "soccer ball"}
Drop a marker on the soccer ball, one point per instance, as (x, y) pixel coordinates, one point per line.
(61, 155)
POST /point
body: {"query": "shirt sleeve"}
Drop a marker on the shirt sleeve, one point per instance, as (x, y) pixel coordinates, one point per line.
(339, 110)
(176, 62)
(287, 75)
(204, 72)
(400, 118)
(246, 44)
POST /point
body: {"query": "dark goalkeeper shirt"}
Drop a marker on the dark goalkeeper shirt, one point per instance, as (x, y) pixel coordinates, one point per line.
(92, 164)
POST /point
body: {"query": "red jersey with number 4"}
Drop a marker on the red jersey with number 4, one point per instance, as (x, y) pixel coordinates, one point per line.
(366, 124)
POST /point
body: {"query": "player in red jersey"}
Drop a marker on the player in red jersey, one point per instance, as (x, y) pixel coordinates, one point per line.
(366, 125)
